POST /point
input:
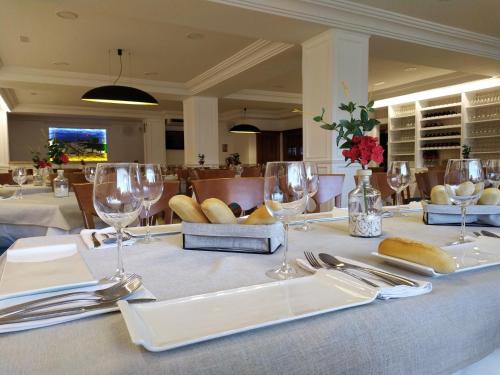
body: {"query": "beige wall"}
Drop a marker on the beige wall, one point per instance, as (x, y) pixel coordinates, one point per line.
(30, 132)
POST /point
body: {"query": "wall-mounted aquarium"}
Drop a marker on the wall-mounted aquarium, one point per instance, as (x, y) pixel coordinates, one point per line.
(82, 144)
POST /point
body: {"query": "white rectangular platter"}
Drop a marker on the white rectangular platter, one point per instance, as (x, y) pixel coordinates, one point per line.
(37, 270)
(174, 323)
(481, 253)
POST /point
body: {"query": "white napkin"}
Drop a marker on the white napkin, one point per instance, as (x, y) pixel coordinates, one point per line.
(384, 291)
(86, 235)
(13, 327)
(410, 207)
(6, 193)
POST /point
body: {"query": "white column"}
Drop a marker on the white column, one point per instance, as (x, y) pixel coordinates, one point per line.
(201, 130)
(4, 135)
(154, 140)
(331, 61)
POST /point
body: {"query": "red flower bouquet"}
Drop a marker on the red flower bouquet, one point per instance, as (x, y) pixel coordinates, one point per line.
(363, 150)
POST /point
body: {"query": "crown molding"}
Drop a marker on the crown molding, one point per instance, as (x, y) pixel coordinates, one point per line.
(250, 56)
(257, 114)
(266, 96)
(10, 98)
(346, 15)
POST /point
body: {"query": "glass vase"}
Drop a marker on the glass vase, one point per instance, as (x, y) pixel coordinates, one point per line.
(61, 185)
(365, 208)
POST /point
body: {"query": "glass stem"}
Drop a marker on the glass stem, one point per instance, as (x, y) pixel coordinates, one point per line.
(399, 198)
(147, 207)
(120, 271)
(285, 244)
(20, 191)
(461, 237)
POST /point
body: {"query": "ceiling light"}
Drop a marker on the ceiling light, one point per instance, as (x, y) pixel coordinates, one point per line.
(67, 15)
(244, 128)
(195, 36)
(379, 83)
(119, 94)
(24, 39)
(410, 69)
(60, 63)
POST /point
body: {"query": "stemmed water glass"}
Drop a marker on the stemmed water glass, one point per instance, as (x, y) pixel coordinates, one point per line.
(285, 197)
(89, 174)
(151, 191)
(117, 201)
(398, 178)
(493, 172)
(312, 183)
(464, 183)
(19, 176)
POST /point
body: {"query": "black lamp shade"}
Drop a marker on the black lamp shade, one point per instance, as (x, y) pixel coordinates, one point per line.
(119, 95)
(245, 129)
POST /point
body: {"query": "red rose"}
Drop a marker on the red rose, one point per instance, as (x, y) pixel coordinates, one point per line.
(64, 158)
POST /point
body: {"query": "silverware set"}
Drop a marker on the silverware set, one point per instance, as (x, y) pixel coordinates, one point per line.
(109, 238)
(486, 233)
(331, 262)
(47, 307)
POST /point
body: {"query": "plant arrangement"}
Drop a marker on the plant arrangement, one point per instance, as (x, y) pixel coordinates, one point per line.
(38, 161)
(201, 159)
(56, 152)
(466, 149)
(233, 159)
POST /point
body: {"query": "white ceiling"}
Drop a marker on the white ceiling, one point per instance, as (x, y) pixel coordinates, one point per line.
(154, 35)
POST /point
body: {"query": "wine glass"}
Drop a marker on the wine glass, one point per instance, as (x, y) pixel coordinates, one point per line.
(398, 178)
(464, 183)
(285, 196)
(312, 183)
(19, 175)
(151, 191)
(89, 174)
(493, 172)
(117, 201)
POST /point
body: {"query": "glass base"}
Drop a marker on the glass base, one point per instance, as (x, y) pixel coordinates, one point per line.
(283, 272)
(148, 240)
(117, 277)
(306, 227)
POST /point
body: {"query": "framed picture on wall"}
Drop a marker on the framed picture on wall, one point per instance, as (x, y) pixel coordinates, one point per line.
(82, 144)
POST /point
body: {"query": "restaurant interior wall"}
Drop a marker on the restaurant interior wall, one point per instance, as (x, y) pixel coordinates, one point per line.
(29, 133)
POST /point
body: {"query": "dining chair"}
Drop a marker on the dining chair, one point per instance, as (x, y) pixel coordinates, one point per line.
(83, 193)
(203, 174)
(379, 182)
(329, 188)
(161, 208)
(247, 192)
(6, 179)
(254, 171)
(427, 180)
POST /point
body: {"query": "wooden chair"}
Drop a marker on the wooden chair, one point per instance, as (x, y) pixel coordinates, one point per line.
(379, 182)
(251, 171)
(247, 192)
(83, 194)
(73, 178)
(6, 179)
(330, 187)
(427, 180)
(161, 208)
(203, 174)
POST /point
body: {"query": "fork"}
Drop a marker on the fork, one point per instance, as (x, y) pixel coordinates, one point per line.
(316, 264)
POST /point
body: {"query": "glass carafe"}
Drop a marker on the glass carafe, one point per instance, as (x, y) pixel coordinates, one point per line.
(365, 208)
(61, 185)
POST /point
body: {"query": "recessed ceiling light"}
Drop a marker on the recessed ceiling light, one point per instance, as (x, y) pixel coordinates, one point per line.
(60, 63)
(24, 39)
(410, 69)
(378, 83)
(195, 36)
(67, 15)
(150, 73)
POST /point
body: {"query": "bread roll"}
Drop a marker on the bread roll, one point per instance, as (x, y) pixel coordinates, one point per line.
(217, 211)
(465, 189)
(490, 196)
(187, 209)
(439, 195)
(418, 252)
(260, 216)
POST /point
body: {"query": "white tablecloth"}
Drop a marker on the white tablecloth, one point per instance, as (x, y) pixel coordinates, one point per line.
(29, 189)
(437, 333)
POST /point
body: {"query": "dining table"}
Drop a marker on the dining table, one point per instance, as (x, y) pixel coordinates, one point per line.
(38, 214)
(28, 188)
(455, 329)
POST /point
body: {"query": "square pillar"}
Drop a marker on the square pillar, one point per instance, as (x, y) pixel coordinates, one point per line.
(154, 141)
(334, 71)
(201, 130)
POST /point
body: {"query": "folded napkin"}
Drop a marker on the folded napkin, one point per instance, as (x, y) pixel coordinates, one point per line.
(100, 234)
(385, 291)
(6, 193)
(13, 327)
(410, 207)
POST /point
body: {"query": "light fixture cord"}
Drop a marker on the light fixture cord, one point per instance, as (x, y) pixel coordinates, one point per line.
(121, 66)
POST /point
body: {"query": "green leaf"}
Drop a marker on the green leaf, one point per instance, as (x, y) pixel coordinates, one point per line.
(358, 131)
(339, 137)
(346, 144)
(327, 126)
(318, 118)
(343, 107)
(364, 116)
(370, 103)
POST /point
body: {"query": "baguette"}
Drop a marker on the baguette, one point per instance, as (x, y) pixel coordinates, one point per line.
(418, 252)
(187, 209)
(260, 216)
(217, 211)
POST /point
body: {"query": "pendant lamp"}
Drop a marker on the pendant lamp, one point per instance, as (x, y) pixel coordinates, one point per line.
(244, 128)
(116, 94)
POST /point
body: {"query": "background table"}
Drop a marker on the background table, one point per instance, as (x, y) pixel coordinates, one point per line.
(438, 333)
(29, 189)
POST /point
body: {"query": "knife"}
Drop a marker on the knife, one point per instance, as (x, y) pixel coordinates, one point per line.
(21, 318)
(489, 234)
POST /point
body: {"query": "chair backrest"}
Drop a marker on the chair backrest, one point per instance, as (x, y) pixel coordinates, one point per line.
(251, 171)
(203, 174)
(427, 180)
(6, 179)
(161, 208)
(379, 182)
(83, 194)
(330, 187)
(247, 192)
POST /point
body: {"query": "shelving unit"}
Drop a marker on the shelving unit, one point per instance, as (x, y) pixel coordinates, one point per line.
(401, 129)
